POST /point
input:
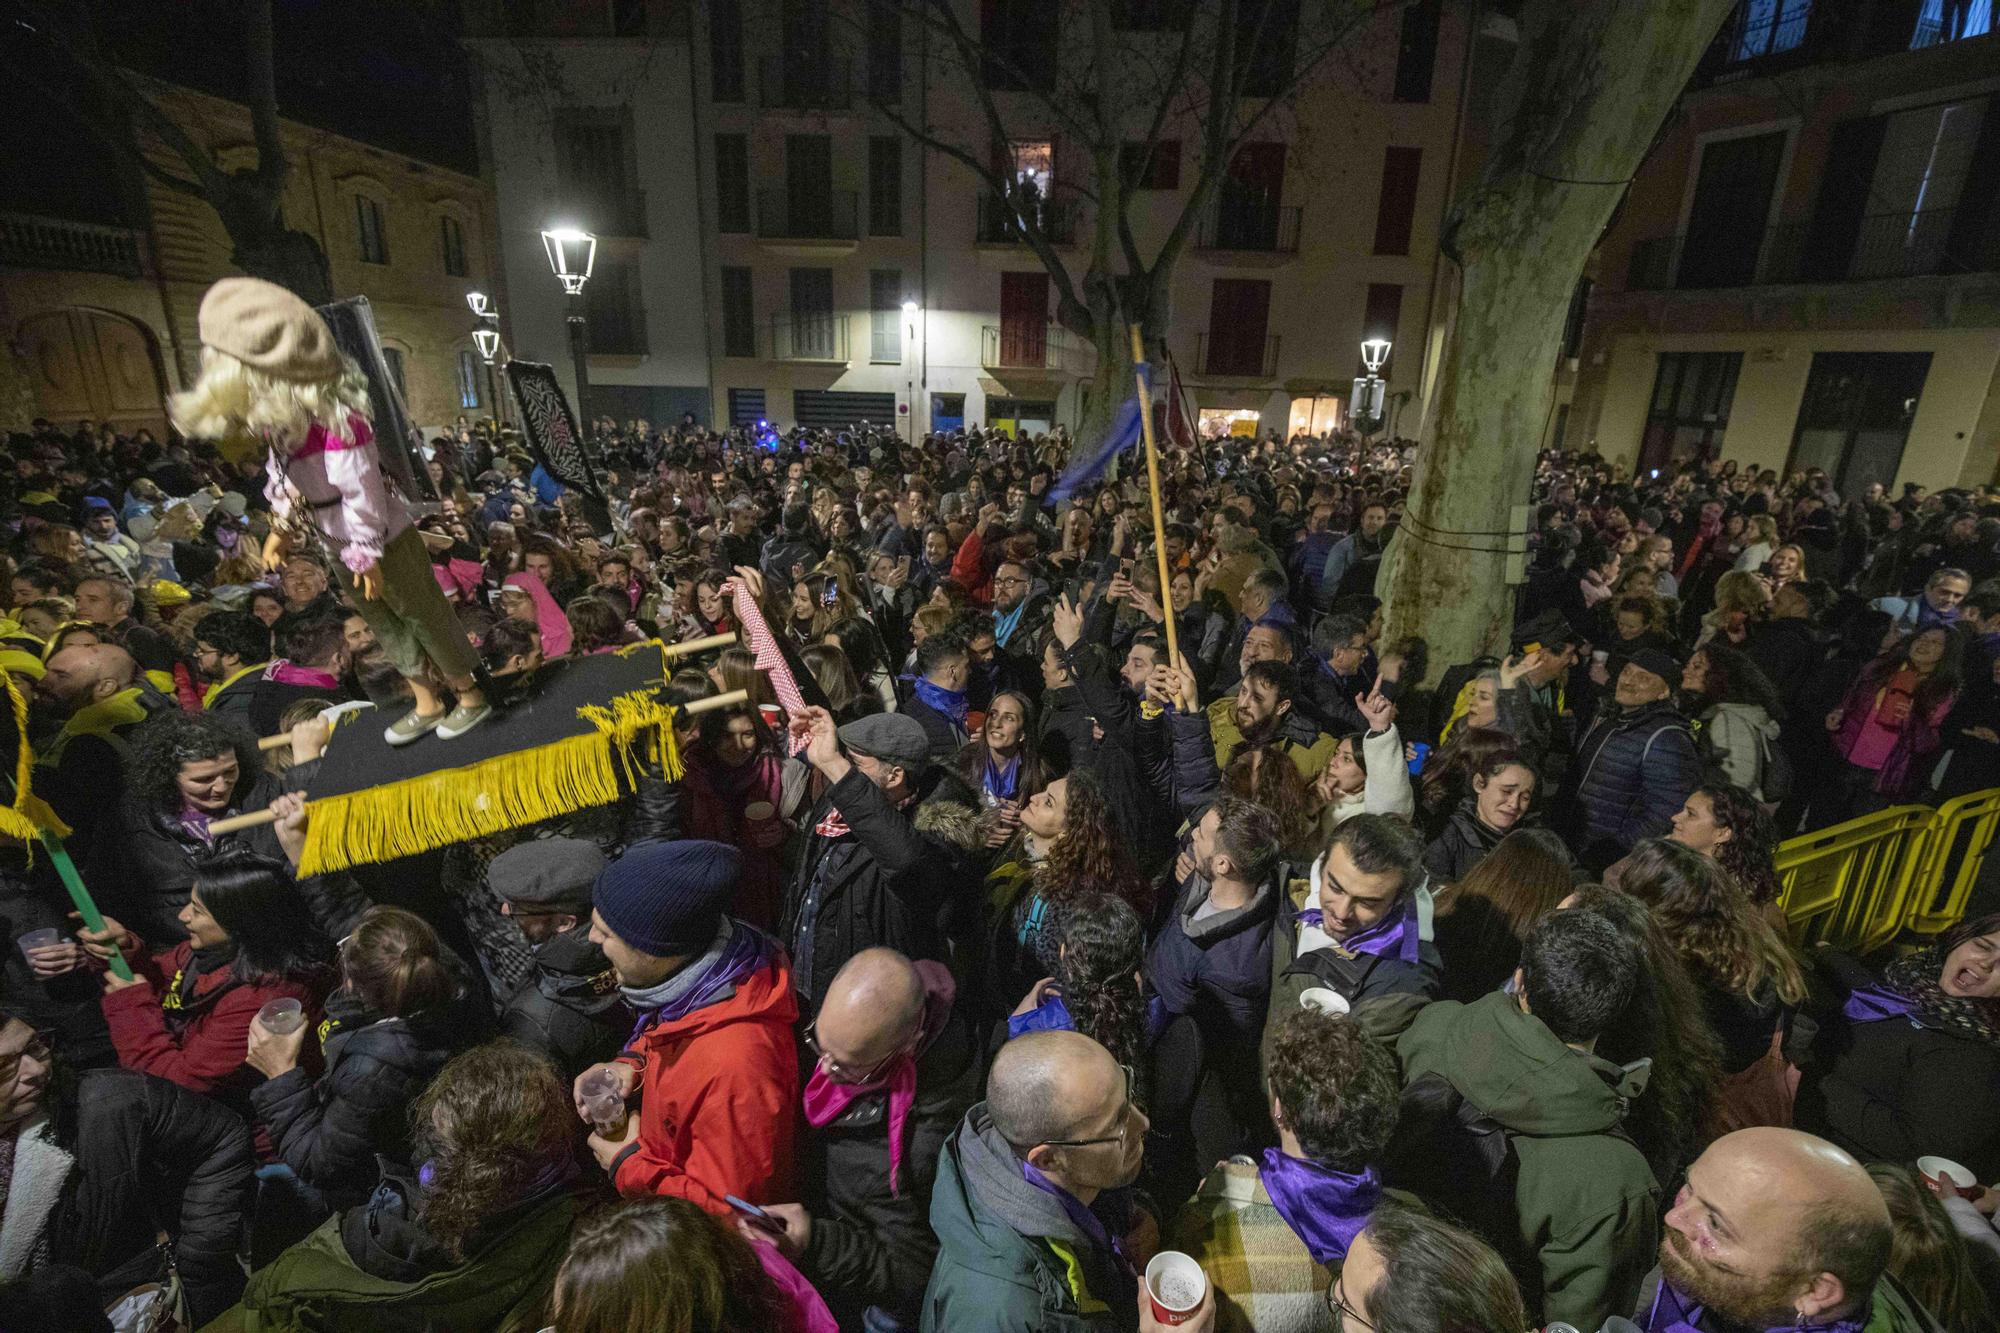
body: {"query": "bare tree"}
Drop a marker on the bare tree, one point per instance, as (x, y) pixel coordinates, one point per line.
(65, 58)
(1589, 89)
(1227, 68)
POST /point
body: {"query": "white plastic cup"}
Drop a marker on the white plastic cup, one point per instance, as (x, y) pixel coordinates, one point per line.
(282, 1016)
(1324, 999)
(39, 939)
(1601, 656)
(1946, 1178)
(1175, 1285)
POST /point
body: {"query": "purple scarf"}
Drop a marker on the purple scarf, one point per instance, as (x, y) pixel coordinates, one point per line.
(748, 950)
(1088, 1222)
(1393, 936)
(1872, 1004)
(1674, 1313)
(1324, 1208)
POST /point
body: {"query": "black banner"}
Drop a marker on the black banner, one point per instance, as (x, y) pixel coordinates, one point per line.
(353, 325)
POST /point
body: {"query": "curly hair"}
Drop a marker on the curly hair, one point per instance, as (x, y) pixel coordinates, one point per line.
(175, 738)
(231, 398)
(1263, 776)
(494, 1121)
(1713, 923)
(1337, 1086)
(1089, 855)
(1749, 853)
(1095, 951)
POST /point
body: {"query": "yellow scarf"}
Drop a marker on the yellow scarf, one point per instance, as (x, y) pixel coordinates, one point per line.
(208, 699)
(122, 709)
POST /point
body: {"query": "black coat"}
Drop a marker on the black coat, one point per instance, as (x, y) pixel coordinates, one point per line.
(1786, 651)
(897, 878)
(1461, 846)
(570, 1008)
(152, 1156)
(158, 858)
(330, 1132)
(945, 736)
(869, 1246)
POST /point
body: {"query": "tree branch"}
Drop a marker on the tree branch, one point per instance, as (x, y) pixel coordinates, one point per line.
(274, 164)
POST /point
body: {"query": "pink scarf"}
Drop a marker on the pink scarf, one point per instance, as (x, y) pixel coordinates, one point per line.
(826, 1099)
(549, 618)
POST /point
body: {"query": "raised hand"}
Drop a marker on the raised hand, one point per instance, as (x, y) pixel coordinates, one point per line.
(1377, 708)
(1067, 621)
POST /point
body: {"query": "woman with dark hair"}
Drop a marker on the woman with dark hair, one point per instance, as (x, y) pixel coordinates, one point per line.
(1409, 1272)
(708, 612)
(1447, 778)
(395, 1020)
(1909, 1063)
(660, 1265)
(1094, 952)
(1887, 727)
(1663, 1023)
(552, 562)
(1748, 977)
(1502, 789)
(1927, 1256)
(267, 604)
(1481, 920)
(1003, 763)
(1738, 711)
(735, 788)
(858, 640)
(187, 770)
(472, 1239)
(1262, 775)
(1727, 825)
(595, 625)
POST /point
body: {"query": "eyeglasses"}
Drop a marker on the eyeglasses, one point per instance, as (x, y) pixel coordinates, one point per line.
(1007, 582)
(1342, 1312)
(1124, 1122)
(840, 1073)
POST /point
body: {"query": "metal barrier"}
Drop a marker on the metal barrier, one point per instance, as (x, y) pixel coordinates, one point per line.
(1956, 848)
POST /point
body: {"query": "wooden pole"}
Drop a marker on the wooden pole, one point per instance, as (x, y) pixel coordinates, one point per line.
(1153, 486)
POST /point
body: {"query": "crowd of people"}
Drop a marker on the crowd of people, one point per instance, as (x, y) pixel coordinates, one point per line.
(1031, 919)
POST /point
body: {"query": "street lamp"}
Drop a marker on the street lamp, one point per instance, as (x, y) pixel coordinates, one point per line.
(487, 340)
(572, 253)
(909, 371)
(481, 306)
(1366, 402)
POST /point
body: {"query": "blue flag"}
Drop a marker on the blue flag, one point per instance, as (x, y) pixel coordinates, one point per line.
(1086, 468)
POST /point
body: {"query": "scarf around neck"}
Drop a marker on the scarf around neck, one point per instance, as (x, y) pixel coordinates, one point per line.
(1006, 622)
(100, 719)
(825, 1099)
(739, 949)
(1324, 1208)
(1909, 989)
(1400, 935)
(949, 702)
(1673, 1312)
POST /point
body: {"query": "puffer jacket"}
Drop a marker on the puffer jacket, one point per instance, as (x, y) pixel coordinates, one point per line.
(155, 858)
(1464, 843)
(1634, 771)
(570, 1007)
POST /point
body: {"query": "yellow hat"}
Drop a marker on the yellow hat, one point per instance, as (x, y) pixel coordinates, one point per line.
(167, 593)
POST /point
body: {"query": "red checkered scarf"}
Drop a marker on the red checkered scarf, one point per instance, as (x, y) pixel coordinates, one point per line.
(771, 662)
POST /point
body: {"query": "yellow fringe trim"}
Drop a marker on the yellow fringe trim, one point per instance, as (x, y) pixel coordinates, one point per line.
(378, 824)
(29, 814)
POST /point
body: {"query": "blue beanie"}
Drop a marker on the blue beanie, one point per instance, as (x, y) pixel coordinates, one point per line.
(667, 898)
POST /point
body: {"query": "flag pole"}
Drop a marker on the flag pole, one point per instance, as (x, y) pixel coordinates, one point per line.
(1153, 486)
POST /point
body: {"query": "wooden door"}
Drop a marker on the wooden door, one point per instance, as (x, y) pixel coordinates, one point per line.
(1024, 318)
(92, 363)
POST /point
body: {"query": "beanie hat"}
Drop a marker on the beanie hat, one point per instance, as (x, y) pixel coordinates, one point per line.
(263, 325)
(666, 898)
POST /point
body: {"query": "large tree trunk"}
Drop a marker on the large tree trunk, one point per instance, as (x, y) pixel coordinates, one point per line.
(292, 259)
(1593, 84)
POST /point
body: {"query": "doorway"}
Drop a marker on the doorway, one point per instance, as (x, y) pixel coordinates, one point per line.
(1856, 416)
(93, 363)
(1732, 200)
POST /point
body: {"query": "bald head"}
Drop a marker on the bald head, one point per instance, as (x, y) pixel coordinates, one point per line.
(1050, 1085)
(872, 1009)
(84, 673)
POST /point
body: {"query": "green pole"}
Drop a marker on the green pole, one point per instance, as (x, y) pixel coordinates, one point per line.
(86, 907)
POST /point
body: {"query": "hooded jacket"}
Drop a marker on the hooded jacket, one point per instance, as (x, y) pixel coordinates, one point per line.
(1010, 1260)
(570, 1007)
(1218, 968)
(718, 1099)
(1587, 1202)
(1737, 737)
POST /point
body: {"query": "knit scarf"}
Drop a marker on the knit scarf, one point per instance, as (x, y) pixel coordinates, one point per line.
(825, 1099)
(1006, 622)
(1673, 1312)
(1397, 935)
(100, 719)
(1324, 1208)
(739, 950)
(1910, 988)
(949, 702)
(286, 672)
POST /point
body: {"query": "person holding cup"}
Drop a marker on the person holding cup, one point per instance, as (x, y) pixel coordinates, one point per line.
(734, 788)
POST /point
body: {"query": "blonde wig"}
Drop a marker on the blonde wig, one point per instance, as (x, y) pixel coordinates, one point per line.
(232, 400)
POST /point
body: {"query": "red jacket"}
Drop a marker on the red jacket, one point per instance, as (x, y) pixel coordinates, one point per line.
(207, 1054)
(718, 1099)
(970, 572)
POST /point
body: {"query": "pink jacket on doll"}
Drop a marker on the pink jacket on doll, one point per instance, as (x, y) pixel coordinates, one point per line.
(341, 482)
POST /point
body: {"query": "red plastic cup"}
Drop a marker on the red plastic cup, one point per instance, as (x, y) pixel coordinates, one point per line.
(1175, 1285)
(1946, 1178)
(773, 716)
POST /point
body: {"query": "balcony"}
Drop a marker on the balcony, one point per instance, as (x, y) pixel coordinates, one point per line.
(785, 216)
(77, 247)
(1254, 229)
(998, 223)
(795, 83)
(1231, 357)
(1042, 347)
(818, 339)
(1884, 245)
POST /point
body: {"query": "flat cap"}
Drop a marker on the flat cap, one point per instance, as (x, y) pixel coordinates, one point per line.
(896, 737)
(546, 872)
(263, 325)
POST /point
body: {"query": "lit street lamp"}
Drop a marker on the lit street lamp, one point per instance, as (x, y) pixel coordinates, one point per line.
(1365, 404)
(481, 306)
(487, 340)
(571, 255)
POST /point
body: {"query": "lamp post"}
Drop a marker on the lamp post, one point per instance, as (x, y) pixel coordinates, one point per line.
(487, 340)
(571, 255)
(1366, 402)
(909, 370)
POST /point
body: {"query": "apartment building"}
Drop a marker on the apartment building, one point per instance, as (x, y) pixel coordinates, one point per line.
(781, 245)
(99, 302)
(1806, 271)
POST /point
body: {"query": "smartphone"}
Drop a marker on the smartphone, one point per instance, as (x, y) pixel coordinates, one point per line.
(757, 1216)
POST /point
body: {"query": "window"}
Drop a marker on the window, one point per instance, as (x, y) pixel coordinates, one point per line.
(739, 313)
(1767, 28)
(595, 169)
(1921, 170)
(725, 50)
(1380, 317)
(451, 244)
(1732, 201)
(1951, 21)
(746, 407)
(393, 358)
(1267, 46)
(1160, 171)
(732, 183)
(468, 380)
(885, 312)
(1416, 54)
(1855, 418)
(885, 185)
(815, 334)
(1239, 313)
(371, 236)
(885, 54)
(1019, 41)
(611, 303)
(1689, 413)
(1396, 210)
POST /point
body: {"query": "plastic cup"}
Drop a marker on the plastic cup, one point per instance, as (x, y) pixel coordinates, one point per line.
(604, 1102)
(1175, 1284)
(1326, 1000)
(773, 716)
(39, 939)
(282, 1016)
(1946, 1178)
